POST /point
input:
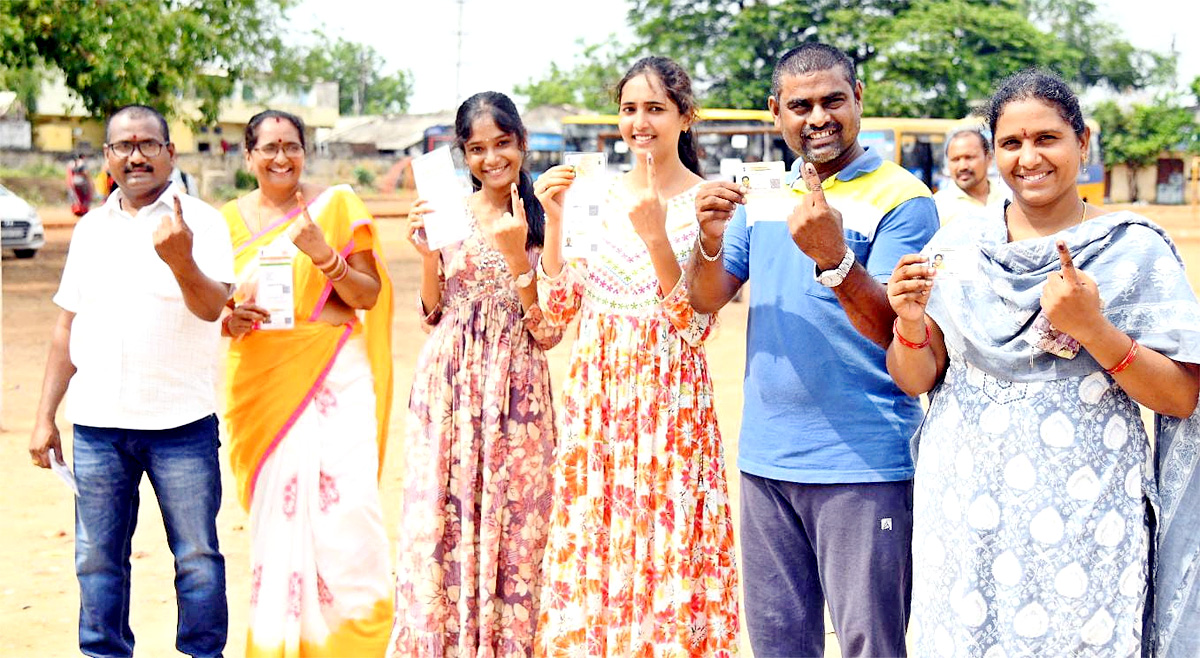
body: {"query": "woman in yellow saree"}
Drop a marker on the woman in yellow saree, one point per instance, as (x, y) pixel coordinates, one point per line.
(309, 389)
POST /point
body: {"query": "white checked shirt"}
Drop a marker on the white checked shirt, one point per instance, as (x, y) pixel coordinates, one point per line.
(143, 360)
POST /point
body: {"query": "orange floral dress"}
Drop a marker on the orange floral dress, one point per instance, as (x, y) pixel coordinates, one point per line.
(640, 557)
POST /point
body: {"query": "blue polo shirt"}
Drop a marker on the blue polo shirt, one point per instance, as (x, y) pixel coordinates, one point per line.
(819, 405)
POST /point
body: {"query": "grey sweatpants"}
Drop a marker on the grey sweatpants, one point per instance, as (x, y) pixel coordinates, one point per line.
(805, 544)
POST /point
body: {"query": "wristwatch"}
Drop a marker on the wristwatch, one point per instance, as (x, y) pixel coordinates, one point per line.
(833, 278)
(525, 279)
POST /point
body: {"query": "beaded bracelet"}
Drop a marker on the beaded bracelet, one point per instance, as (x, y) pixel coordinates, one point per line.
(908, 343)
(703, 254)
(1130, 356)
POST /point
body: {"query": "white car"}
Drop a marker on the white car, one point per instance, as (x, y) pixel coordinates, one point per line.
(20, 227)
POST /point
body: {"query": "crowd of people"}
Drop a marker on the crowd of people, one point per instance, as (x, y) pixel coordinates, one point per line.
(1026, 511)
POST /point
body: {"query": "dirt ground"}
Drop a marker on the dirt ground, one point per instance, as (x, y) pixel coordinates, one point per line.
(38, 591)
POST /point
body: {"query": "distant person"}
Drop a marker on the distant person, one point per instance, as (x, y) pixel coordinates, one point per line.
(136, 345)
(79, 186)
(308, 402)
(1035, 484)
(480, 416)
(824, 449)
(186, 181)
(640, 559)
(968, 158)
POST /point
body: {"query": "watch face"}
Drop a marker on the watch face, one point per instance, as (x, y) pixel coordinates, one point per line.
(831, 278)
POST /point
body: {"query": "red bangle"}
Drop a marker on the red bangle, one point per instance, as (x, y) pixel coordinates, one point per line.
(1130, 357)
(908, 343)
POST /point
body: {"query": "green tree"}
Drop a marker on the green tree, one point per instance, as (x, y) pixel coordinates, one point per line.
(730, 46)
(941, 58)
(1097, 53)
(587, 84)
(156, 52)
(363, 88)
(26, 82)
(917, 57)
(1137, 136)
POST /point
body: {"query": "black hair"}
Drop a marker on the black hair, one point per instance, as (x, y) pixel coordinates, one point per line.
(251, 135)
(810, 57)
(678, 86)
(136, 110)
(501, 109)
(1041, 85)
(978, 131)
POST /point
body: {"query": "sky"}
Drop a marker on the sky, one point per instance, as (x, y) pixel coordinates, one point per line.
(506, 42)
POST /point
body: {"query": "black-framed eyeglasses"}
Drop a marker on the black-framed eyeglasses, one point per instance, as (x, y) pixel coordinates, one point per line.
(270, 151)
(149, 148)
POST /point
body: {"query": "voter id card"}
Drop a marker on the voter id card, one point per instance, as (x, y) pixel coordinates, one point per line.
(768, 198)
(276, 286)
(581, 203)
(955, 263)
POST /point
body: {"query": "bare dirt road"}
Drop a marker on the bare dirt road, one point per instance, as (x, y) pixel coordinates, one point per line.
(38, 591)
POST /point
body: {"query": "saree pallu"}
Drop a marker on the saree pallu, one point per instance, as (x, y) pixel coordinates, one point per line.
(307, 412)
(1048, 585)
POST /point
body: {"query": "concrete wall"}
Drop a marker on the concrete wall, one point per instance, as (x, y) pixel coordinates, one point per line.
(1147, 181)
(1120, 190)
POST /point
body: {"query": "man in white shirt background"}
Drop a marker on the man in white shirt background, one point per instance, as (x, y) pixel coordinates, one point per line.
(136, 345)
(968, 158)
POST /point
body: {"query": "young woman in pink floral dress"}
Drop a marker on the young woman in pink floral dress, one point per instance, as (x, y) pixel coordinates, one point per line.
(480, 428)
(640, 558)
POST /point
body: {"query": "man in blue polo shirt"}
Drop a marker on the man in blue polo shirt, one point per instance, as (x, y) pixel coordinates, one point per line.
(826, 512)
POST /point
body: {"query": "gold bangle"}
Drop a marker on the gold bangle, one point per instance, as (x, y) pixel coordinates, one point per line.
(335, 270)
(332, 259)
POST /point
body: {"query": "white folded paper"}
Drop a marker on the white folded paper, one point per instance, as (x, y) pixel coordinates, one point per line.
(63, 472)
(446, 221)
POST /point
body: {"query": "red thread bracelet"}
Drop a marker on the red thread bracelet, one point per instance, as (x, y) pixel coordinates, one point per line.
(908, 343)
(1130, 357)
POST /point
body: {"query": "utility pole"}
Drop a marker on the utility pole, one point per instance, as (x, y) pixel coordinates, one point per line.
(458, 59)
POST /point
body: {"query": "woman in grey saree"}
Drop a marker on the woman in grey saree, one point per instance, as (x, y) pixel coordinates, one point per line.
(1035, 487)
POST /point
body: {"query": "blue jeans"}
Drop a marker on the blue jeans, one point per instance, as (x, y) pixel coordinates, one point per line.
(184, 470)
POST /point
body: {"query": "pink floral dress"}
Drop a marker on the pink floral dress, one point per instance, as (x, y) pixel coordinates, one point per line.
(479, 443)
(640, 559)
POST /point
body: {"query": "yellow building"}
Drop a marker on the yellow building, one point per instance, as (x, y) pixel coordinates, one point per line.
(61, 125)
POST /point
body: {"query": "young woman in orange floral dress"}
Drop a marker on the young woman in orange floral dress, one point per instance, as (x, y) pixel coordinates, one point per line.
(640, 558)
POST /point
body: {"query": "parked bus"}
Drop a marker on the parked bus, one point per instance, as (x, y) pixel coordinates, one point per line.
(918, 145)
(721, 134)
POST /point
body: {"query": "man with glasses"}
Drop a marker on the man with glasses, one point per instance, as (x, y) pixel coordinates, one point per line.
(136, 343)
